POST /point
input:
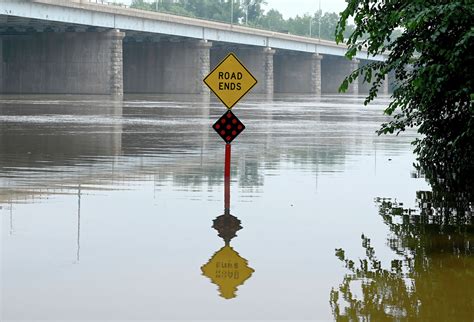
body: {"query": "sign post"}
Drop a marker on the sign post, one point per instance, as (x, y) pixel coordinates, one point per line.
(229, 81)
(227, 178)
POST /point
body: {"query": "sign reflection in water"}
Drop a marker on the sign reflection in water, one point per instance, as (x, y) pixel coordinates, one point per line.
(226, 268)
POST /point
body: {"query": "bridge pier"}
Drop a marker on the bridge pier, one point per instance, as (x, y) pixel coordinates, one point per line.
(204, 64)
(116, 62)
(166, 67)
(384, 89)
(1, 65)
(364, 87)
(258, 60)
(316, 74)
(334, 69)
(354, 86)
(298, 73)
(58, 46)
(63, 63)
(268, 71)
(385, 85)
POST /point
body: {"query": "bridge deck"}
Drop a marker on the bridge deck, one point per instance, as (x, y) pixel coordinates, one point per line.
(127, 19)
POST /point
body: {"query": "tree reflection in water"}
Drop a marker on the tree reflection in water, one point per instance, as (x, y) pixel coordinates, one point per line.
(433, 279)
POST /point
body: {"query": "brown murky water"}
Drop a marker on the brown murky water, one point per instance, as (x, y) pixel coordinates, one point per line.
(107, 212)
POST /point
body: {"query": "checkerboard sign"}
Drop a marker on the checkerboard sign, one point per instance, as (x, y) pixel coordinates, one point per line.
(228, 126)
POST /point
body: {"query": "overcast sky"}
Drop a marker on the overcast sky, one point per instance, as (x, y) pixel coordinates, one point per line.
(298, 7)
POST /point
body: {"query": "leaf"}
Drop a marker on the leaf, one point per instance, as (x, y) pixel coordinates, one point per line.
(344, 86)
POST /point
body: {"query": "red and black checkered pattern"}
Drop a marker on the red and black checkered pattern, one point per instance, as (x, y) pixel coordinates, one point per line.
(228, 126)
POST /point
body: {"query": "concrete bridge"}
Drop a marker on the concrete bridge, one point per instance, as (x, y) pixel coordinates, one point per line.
(79, 47)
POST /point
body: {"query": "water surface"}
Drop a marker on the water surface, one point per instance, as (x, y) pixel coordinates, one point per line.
(107, 211)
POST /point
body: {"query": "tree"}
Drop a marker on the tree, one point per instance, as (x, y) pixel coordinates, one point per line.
(141, 4)
(328, 25)
(252, 10)
(299, 25)
(434, 88)
(273, 20)
(218, 10)
(248, 12)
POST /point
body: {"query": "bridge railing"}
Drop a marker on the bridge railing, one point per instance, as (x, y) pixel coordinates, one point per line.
(110, 3)
(181, 14)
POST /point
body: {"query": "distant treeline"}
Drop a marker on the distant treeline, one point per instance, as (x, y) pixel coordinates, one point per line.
(248, 12)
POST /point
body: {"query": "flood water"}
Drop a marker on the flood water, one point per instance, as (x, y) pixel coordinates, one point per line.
(108, 208)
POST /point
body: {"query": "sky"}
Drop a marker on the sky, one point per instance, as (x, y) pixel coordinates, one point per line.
(298, 7)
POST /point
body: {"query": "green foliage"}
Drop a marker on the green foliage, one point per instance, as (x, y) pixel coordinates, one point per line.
(305, 25)
(299, 25)
(273, 20)
(251, 13)
(431, 61)
(141, 4)
(217, 10)
(253, 9)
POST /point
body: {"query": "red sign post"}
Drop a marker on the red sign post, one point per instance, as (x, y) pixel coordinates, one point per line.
(229, 81)
(227, 178)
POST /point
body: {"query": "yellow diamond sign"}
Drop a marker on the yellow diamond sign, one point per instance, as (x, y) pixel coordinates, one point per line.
(227, 270)
(230, 80)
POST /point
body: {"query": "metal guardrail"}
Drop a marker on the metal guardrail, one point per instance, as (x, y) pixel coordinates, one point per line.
(122, 5)
(110, 3)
